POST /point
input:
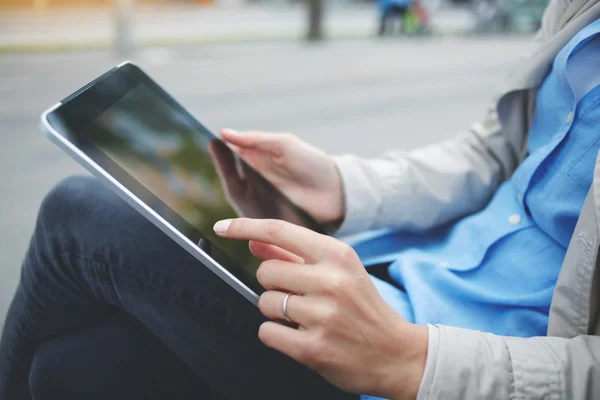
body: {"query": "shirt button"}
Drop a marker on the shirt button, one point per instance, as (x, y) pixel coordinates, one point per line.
(569, 118)
(514, 219)
(445, 264)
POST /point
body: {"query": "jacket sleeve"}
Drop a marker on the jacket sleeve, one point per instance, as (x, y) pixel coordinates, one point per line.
(420, 189)
(466, 364)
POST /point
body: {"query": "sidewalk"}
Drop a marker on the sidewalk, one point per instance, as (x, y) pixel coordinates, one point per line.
(26, 30)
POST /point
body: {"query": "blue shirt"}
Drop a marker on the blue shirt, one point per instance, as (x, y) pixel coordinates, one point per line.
(496, 270)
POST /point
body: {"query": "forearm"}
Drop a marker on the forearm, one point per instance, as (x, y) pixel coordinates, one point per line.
(424, 188)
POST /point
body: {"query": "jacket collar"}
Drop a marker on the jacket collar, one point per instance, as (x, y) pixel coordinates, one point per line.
(559, 27)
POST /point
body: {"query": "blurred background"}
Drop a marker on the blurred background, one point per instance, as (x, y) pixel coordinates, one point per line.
(346, 75)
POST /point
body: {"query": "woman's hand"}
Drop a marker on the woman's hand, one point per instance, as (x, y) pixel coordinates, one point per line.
(302, 172)
(346, 331)
(244, 189)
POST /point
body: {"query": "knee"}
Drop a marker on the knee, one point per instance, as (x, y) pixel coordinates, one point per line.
(69, 212)
(82, 214)
(69, 197)
(57, 226)
(75, 207)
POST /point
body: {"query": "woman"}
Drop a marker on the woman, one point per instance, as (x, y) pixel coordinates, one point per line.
(480, 228)
(109, 307)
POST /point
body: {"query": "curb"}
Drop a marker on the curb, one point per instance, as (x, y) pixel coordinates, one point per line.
(168, 42)
(254, 37)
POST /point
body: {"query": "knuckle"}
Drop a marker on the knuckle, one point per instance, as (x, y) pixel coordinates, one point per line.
(329, 315)
(347, 253)
(334, 283)
(273, 228)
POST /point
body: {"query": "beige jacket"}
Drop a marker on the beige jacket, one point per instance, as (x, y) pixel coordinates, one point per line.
(443, 182)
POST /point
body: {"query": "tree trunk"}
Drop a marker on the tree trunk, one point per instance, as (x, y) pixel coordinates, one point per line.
(124, 43)
(315, 20)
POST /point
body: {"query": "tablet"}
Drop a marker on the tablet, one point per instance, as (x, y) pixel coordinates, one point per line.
(130, 133)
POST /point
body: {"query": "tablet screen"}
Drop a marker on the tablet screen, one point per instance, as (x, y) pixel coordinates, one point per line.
(176, 166)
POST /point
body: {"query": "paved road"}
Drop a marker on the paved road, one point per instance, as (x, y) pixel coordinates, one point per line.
(361, 97)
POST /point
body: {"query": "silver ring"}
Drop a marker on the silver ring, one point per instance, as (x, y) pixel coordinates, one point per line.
(284, 307)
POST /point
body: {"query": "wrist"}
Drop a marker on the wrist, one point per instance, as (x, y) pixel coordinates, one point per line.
(336, 186)
(331, 187)
(404, 379)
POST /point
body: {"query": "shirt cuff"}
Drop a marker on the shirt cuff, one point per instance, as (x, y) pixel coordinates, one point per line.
(362, 197)
(535, 370)
(466, 364)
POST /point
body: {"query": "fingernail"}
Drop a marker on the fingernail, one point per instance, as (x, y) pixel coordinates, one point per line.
(230, 131)
(222, 226)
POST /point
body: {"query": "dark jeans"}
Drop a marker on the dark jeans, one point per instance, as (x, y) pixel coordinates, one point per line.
(108, 307)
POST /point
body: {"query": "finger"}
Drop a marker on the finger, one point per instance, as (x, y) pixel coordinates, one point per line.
(223, 157)
(225, 163)
(270, 305)
(270, 252)
(271, 143)
(233, 147)
(287, 276)
(286, 340)
(301, 310)
(309, 245)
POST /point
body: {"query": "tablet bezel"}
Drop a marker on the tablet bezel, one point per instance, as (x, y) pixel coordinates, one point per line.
(68, 145)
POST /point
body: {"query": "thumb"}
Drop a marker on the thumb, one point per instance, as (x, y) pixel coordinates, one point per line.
(270, 143)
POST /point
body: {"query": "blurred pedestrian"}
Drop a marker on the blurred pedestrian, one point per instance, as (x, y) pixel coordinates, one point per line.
(392, 14)
(403, 16)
